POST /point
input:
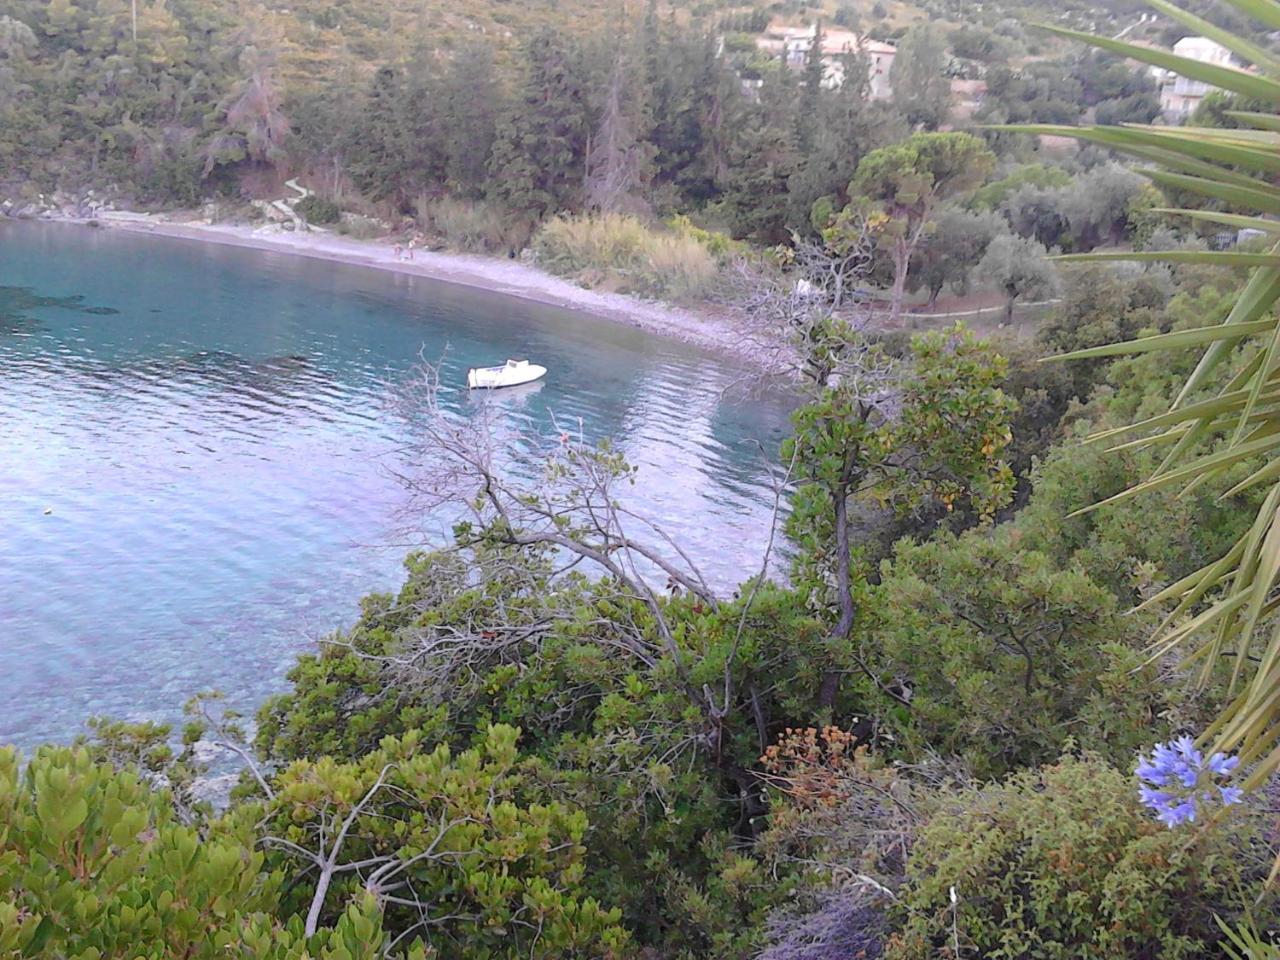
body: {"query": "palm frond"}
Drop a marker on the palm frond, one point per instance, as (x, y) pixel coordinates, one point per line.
(1223, 616)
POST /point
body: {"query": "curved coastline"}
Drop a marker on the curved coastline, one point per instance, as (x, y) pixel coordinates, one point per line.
(710, 330)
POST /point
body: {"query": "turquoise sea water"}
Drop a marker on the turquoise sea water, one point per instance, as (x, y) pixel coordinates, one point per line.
(195, 444)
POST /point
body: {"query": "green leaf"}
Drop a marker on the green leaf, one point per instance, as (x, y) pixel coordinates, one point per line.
(1256, 197)
(1263, 121)
(1246, 50)
(1200, 467)
(1229, 219)
(1177, 340)
(1226, 78)
(1258, 296)
(1265, 11)
(1178, 150)
(1209, 257)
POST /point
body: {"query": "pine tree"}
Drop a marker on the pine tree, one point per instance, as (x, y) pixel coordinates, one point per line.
(538, 157)
(468, 109)
(764, 158)
(377, 150)
(808, 120)
(921, 89)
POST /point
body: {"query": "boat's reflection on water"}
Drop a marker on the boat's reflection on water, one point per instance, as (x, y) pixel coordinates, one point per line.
(517, 396)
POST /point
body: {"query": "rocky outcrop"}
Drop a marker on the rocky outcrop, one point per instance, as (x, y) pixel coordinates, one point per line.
(57, 206)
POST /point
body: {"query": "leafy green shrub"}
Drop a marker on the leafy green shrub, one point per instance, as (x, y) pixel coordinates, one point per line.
(628, 255)
(605, 727)
(314, 209)
(446, 842)
(1007, 656)
(93, 864)
(1064, 862)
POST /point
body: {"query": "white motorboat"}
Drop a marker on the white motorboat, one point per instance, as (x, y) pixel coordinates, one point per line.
(510, 374)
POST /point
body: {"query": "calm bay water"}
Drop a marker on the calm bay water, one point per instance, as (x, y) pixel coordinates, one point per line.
(194, 453)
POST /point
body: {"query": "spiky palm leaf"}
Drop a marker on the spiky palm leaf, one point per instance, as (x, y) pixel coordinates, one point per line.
(1225, 609)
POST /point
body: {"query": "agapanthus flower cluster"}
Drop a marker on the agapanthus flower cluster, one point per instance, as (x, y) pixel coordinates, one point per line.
(1178, 782)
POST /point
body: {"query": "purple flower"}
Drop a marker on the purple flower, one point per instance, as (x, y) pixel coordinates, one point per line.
(1177, 780)
(1154, 798)
(1173, 814)
(1221, 764)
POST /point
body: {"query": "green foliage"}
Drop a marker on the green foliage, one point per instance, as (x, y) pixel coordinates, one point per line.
(1226, 637)
(541, 143)
(447, 842)
(955, 244)
(629, 256)
(473, 226)
(605, 730)
(921, 89)
(1042, 91)
(93, 864)
(316, 209)
(992, 196)
(1017, 267)
(1064, 862)
(901, 186)
(941, 449)
(1007, 655)
(1102, 303)
(908, 178)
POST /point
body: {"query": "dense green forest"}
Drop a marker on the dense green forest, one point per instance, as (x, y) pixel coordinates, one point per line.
(482, 126)
(935, 722)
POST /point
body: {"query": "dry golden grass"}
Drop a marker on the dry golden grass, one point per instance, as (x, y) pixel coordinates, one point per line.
(627, 255)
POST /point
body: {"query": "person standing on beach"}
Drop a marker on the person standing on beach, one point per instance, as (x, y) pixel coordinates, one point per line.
(396, 251)
(411, 242)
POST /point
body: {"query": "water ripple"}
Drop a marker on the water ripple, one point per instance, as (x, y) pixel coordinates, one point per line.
(194, 446)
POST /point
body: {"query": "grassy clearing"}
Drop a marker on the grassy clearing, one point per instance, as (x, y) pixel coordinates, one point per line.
(621, 253)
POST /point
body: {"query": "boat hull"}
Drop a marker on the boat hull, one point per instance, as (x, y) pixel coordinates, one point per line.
(495, 378)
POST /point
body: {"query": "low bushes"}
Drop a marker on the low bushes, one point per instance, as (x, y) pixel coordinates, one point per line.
(470, 226)
(626, 255)
(1065, 862)
(94, 864)
(422, 843)
(921, 862)
(318, 210)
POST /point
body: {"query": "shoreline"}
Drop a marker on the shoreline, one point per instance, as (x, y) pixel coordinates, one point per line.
(705, 330)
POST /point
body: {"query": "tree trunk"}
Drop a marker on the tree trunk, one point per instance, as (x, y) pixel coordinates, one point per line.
(844, 586)
(1008, 310)
(901, 264)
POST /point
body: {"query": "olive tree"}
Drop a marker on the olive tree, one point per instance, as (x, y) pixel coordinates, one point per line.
(1019, 268)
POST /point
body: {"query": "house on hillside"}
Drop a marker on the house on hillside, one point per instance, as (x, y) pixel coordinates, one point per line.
(792, 46)
(1179, 96)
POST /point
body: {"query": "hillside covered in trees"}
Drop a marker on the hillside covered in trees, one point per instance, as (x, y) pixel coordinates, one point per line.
(524, 110)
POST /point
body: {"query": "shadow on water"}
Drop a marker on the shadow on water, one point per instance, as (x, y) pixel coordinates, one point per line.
(18, 303)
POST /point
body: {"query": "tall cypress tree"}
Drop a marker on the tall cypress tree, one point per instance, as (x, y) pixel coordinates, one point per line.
(539, 155)
(808, 116)
(378, 151)
(468, 109)
(764, 158)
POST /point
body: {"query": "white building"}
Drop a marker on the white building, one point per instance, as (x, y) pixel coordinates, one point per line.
(1179, 96)
(792, 44)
